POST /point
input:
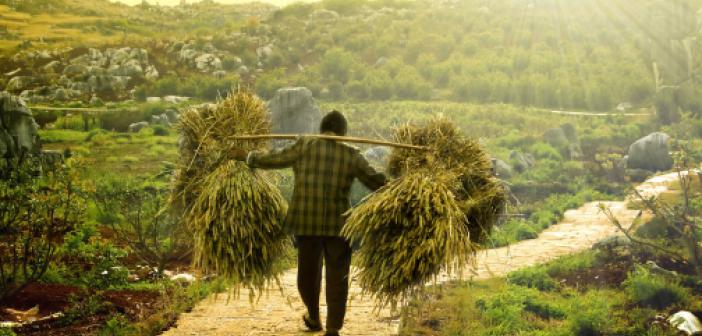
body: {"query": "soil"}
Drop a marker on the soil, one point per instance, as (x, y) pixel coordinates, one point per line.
(53, 298)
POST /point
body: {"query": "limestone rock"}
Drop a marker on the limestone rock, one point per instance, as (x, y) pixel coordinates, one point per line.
(136, 127)
(294, 110)
(650, 153)
(18, 130)
(19, 83)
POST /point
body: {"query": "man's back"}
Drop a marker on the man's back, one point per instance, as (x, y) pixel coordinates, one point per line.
(324, 172)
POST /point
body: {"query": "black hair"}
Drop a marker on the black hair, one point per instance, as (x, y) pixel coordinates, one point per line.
(334, 122)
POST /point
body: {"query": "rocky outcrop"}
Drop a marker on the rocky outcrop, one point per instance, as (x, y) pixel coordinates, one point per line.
(18, 130)
(136, 127)
(565, 139)
(294, 110)
(650, 153)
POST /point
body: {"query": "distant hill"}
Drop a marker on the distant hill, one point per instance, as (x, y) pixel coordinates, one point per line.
(576, 54)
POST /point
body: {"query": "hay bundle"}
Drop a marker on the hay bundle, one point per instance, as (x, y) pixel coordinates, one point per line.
(480, 195)
(234, 212)
(431, 218)
(409, 231)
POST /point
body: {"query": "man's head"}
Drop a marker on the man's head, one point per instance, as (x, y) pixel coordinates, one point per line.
(334, 122)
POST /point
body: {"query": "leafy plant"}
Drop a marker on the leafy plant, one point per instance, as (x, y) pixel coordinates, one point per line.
(653, 290)
(590, 315)
(533, 277)
(35, 213)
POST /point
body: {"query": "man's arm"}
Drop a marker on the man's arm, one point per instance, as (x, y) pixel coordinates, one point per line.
(372, 179)
(276, 159)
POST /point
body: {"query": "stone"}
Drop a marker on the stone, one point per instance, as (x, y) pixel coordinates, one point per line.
(172, 115)
(520, 161)
(294, 110)
(623, 107)
(136, 127)
(52, 66)
(570, 133)
(153, 99)
(75, 70)
(19, 83)
(243, 70)
(160, 120)
(175, 99)
(264, 52)
(151, 73)
(503, 169)
(208, 62)
(650, 153)
(18, 130)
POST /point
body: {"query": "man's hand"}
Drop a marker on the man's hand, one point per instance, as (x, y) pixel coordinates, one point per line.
(238, 154)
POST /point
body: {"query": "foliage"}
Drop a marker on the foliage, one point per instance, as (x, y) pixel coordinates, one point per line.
(533, 277)
(35, 213)
(590, 315)
(117, 326)
(653, 290)
(83, 307)
(7, 332)
(119, 120)
(90, 261)
(161, 131)
(153, 234)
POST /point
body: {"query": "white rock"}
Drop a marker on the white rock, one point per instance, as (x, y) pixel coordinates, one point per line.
(184, 277)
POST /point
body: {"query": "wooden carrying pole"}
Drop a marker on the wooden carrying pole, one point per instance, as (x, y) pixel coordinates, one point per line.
(327, 137)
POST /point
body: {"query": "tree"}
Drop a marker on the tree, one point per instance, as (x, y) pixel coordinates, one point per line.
(682, 219)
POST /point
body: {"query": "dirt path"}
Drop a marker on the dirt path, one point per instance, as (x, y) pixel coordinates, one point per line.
(277, 314)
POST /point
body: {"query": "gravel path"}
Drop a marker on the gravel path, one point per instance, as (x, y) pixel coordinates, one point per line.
(279, 314)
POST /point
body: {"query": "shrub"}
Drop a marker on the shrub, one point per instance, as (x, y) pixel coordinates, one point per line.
(153, 235)
(161, 131)
(120, 120)
(545, 151)
(543, 309)
(44, 118)
(652, 290)
(524, 232)
(532, 277)
(35, 214)
(7, 332)
(590, 314)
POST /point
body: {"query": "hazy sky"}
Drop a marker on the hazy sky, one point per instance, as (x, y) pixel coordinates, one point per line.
(175, 2)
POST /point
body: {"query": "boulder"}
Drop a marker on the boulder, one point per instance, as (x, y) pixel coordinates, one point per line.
(18, 130)
(175, 99)
(75, 70)
(264, 52)
(521, 162)
(160, 120)
(136, 127)
(650, 153)
(208, 63)
(294, 110)
(503, 169)
(150, 73)
(52, 66)
(172, 115)
(19, 83)
(380, 62)
(570, 133)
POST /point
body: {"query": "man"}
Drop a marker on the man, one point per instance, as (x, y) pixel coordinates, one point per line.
(324, 171)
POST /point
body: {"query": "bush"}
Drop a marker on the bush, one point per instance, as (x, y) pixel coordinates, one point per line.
(161, 131)
(533, 277)
(545, 151)
(653, 291)
(35, 214)
(44, 118)
(120, 120)
(7, 332)
(525, 232)
(590, 315)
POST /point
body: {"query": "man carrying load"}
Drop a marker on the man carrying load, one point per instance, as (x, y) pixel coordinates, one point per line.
(324, 171)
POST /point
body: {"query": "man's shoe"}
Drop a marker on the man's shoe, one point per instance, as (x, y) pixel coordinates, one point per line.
(312, 325)
(331, 333)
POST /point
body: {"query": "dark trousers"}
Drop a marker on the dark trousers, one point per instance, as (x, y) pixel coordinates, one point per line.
(336, 253)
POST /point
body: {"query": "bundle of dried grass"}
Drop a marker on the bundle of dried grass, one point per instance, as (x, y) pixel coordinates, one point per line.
(235, 213)
(443, 203)
(408, 231)
(480, 195)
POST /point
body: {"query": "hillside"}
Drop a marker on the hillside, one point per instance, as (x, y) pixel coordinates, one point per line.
(583, 54)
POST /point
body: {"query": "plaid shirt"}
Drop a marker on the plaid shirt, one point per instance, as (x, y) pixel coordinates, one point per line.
(324, 171)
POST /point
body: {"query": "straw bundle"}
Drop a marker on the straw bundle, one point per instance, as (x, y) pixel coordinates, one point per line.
(443, 203)
(234, 212)
(480, 195)
(409, 231)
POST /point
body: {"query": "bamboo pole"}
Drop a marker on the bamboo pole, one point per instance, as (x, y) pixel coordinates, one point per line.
(78, 109)
(328, 137)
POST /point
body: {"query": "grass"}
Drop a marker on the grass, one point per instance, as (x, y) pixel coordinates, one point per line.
(528, 302)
